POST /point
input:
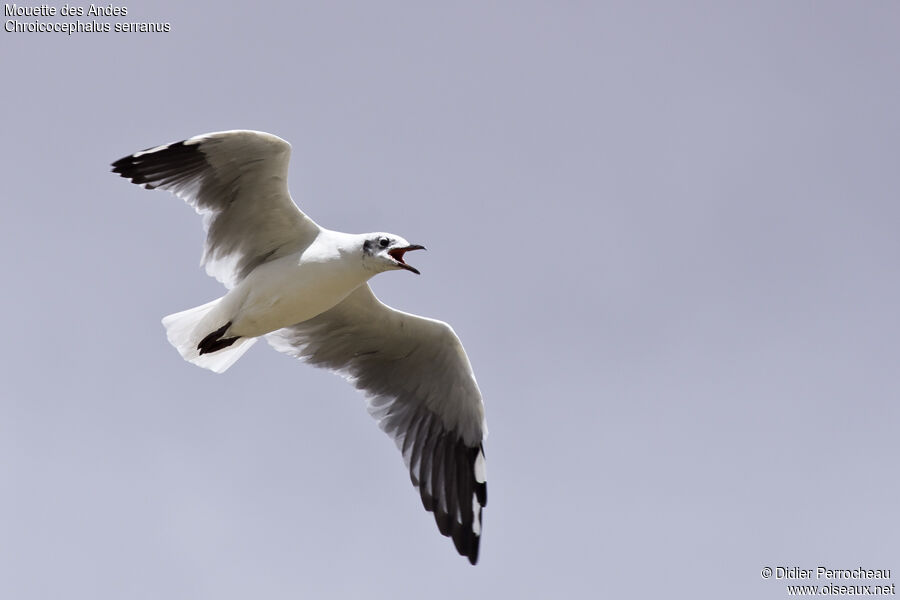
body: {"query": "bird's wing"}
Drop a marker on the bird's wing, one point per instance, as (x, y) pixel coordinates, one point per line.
(421, 388)
(238, 181)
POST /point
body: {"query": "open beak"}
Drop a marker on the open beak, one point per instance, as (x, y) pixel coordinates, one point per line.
(397, 254)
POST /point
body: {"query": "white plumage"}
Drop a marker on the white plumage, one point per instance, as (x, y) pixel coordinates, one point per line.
(305, 289)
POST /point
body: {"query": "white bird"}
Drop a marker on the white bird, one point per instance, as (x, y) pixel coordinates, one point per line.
(305, 289)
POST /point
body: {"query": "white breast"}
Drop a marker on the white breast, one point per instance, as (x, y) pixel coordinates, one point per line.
(293, 289)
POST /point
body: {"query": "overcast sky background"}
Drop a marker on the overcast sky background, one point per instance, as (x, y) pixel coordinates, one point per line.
(667, 234)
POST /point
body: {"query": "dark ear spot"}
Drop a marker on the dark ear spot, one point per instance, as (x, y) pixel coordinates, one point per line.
(367, 246)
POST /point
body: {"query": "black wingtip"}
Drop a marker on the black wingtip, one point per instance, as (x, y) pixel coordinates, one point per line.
(453, 474)
(467, 544)
(160, 165)
(120, 165)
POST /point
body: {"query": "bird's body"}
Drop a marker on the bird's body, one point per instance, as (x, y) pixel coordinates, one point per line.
(305, 289)
(294, 288)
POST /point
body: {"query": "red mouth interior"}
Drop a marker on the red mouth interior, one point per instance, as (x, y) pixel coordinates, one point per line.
(397, 254)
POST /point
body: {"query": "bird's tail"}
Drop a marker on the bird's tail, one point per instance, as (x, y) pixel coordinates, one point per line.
(188, 329)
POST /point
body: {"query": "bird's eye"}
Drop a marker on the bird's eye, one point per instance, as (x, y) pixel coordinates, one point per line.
(383, 242)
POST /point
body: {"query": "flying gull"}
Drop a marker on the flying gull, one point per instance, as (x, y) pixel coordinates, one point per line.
(305, 289)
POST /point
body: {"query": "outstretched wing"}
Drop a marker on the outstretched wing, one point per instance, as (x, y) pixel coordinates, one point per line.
(238, 181)
(421, 388)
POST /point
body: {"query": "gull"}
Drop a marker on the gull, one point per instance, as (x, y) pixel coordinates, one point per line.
(305, 289)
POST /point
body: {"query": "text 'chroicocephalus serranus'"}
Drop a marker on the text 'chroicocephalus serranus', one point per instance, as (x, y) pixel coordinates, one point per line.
(305, 289)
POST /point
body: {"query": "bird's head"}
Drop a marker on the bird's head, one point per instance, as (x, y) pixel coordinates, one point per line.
(384, 252)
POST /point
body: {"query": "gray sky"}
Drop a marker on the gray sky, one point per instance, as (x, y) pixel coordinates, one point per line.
(665, 232)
